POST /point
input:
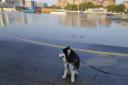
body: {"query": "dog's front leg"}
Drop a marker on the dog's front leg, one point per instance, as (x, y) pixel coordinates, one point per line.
(73, 72)
(73, 76)
(65, 71)
(65, 74)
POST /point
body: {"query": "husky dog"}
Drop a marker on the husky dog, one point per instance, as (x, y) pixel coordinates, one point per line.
(71, 62)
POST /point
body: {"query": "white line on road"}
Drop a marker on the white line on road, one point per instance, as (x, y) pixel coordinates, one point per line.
(60, 46)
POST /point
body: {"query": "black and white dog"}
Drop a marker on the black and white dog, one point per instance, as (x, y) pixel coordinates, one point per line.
(71, 62)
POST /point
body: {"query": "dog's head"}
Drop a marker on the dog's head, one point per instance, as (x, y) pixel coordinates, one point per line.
(67, 51)
(65, 54)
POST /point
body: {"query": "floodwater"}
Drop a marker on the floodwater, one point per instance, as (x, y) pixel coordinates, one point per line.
(79, 28)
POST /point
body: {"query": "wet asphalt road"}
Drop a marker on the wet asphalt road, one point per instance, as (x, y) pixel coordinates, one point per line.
(23, 63)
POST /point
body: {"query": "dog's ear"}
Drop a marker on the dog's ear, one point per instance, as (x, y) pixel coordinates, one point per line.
(68, 47)
(65, 50)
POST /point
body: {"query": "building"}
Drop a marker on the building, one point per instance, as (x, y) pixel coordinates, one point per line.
(3, 0)
(15, 2)
(30, 4)
(63, 3)
(126, 4)
(97, 2)
(19, 2)
(40, 4)
(106, 3)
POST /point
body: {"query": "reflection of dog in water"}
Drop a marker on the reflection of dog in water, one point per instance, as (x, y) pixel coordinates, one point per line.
(71, 63)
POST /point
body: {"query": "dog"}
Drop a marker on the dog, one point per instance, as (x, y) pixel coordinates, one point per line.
(71, 62)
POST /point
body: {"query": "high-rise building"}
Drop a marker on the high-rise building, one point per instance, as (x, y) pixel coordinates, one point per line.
(108, 2)
(104, 3)
(2, 0)
(61, 3)
(97, 2)
(76, 1)
(15, 2)
(19, 2)
(40, 4)
(23, 2)
(28, 3)
(126, 4)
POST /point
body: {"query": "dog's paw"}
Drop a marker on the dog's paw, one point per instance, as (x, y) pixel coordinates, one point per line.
(63, 76)
(72, 80)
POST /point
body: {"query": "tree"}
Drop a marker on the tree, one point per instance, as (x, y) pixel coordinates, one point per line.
(116, 8)
(74, 7)
(120, 8)
(111, 8)
(83, 6)
(98, 6)
(54, 7)
(68, 7)
(90, 5)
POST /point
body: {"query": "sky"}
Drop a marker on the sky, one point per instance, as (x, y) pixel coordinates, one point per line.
(50, 2)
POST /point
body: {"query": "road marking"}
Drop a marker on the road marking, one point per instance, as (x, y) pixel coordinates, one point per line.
(60, 46)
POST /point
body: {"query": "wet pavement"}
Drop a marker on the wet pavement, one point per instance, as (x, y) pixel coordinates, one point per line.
(27, 63)
(23, 63)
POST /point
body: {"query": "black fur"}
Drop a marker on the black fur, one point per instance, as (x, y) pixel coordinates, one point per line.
(72, 58)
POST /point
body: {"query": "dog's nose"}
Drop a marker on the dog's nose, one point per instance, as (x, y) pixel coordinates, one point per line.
(61, 57)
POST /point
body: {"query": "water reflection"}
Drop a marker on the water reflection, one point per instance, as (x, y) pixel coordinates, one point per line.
(120, 20)
(12, 19)
(44, 26)
(85, 20)
(71, 19)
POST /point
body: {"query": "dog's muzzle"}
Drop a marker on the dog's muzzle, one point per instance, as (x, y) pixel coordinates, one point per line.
(61, 55)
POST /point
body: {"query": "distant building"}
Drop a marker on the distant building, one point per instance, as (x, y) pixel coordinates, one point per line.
(104, 2)
(12, 3)
(18, 2)
(126, 4)
(30, 4)
(63, 3)
(108, 2)
(45, 5)
(15, 2)
(40, 4)
(97, 2)
(3, 0)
